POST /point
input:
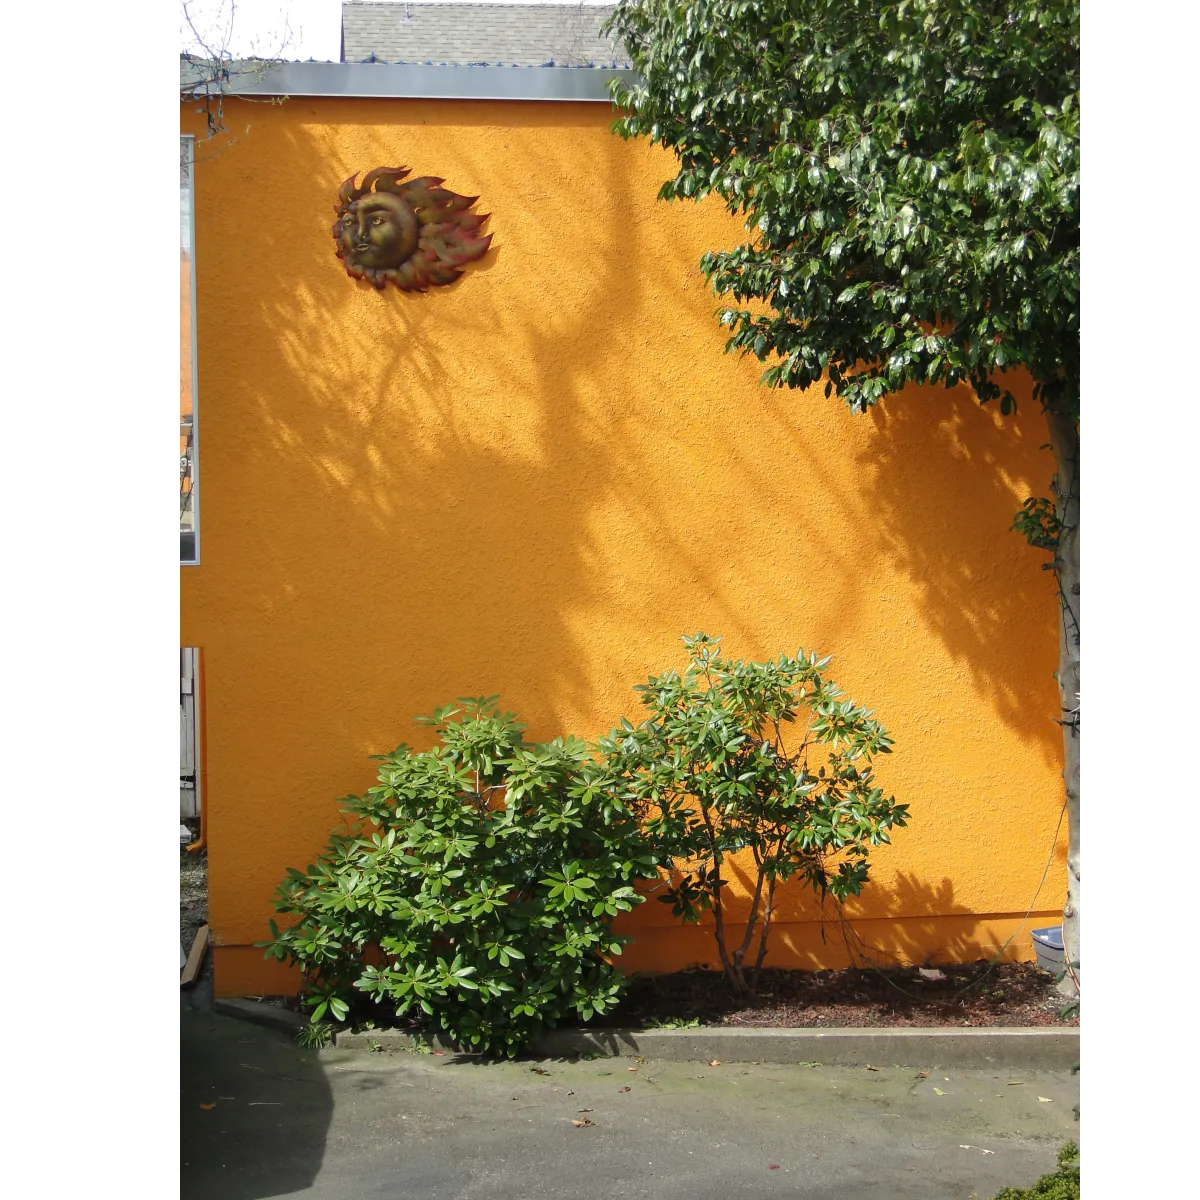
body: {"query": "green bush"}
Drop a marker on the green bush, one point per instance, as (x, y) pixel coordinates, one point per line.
(476, 884)
(1063, 1184)
(721, 772)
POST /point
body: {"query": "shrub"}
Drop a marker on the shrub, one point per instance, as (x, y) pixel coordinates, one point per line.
(477, 886)
(1062, 1184)
(722, 776)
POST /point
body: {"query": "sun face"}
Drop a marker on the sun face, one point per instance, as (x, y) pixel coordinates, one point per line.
(415, 235)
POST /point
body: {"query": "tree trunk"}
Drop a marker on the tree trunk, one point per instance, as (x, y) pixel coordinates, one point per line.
(1064, 439)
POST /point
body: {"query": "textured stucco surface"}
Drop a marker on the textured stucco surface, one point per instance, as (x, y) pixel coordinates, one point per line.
(533, 482)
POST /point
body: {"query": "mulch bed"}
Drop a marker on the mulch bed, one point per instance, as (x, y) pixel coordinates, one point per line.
(970, 994)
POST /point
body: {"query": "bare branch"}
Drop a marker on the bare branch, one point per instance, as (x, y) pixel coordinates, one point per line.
(209, 69)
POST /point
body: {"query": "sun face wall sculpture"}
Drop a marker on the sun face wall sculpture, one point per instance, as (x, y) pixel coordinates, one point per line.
(416, 235)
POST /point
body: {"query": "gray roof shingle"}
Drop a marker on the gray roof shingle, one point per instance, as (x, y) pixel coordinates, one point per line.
(527, 35)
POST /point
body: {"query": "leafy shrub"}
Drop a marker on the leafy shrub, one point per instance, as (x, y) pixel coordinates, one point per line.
(1062, 1184)
(476, 885)
(714, 763)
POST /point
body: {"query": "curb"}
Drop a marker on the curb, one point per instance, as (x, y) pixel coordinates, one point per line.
(258, 1013)
(1036, 1049)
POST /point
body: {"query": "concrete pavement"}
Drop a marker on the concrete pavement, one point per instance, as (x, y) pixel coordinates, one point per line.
(353, 1123)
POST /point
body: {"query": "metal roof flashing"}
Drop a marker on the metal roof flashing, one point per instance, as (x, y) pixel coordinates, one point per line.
(416, 81)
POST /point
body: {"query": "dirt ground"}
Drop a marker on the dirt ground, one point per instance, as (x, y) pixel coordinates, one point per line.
(963, 994)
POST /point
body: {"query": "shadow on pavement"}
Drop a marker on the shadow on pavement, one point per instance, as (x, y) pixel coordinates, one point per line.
(264, 1134)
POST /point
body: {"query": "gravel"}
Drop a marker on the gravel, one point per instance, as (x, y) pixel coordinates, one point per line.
(193, 900)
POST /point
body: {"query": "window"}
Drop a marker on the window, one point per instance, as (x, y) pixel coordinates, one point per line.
(189, 546)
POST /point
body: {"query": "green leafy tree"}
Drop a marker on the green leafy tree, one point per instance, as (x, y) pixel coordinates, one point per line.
(908, 172)
(475, 887)
(720, 771)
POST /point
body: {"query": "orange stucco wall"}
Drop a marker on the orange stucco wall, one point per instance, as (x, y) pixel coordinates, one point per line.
(533, 482)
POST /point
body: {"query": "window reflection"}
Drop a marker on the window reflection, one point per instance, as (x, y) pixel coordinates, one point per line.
(187, 427)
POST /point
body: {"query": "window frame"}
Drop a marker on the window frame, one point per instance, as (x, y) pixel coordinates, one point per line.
(187, 160)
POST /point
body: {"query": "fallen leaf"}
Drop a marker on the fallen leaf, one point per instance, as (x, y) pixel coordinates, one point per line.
(208, 1107)
(932, 974)
(539, 1070)
(922, 1074)
(987, 1151)
(871, 1068)
(623, 1089)
(938, 1092)
(946, 1078)
(585, 1110)
(631, 1068)
(570, 1093)
(716, 1062)
(772, 1166)
(640, 1061)
(440, 1053)
(961, 1147)
(581, 1124)
(1016, 1083)
(1045, 1099)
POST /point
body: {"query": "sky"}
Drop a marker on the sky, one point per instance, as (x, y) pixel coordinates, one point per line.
(258, 27)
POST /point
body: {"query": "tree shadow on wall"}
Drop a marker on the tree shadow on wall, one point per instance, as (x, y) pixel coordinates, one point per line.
(907, 920)
(470, 485)
(468, 516)
(450, 533)
(981, 587)
(911, 920)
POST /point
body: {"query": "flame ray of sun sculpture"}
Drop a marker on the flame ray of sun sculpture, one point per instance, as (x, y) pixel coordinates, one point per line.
(414, 234)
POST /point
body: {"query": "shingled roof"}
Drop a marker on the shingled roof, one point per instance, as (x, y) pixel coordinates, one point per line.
(527, 35)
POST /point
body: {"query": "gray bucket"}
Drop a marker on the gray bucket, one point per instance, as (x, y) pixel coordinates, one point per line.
(1048, 944)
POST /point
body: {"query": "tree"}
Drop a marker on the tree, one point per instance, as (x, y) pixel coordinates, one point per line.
(718, 771)
(209, 67)
(909, 170)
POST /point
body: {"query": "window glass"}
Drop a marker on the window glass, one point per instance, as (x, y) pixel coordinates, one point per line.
(188, 545)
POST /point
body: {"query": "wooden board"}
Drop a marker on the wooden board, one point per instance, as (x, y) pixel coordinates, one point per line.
(195, 960)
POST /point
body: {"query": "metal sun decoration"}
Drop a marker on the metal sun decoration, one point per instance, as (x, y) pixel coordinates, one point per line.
(415, 235)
